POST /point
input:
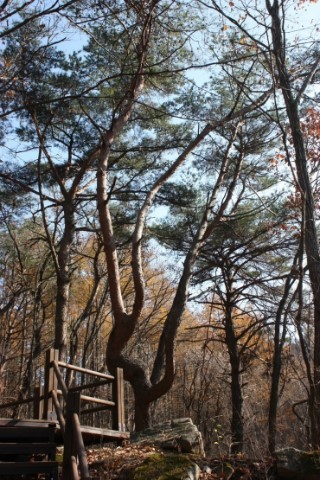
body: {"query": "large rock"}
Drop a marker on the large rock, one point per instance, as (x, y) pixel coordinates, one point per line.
(180, 435)
(172, 467)
(296, 464)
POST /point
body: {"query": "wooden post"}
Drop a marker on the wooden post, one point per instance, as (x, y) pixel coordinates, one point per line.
(70, 443)
(50, 383)
(38, 402)
(118, 417)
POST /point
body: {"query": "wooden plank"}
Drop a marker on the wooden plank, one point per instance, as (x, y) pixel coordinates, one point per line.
(93, 434)
(20, 468)
(96, 435)
(32, 433)
(16, 422)
(86, 370)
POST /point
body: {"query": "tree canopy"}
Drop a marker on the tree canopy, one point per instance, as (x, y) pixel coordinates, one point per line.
(159, 161)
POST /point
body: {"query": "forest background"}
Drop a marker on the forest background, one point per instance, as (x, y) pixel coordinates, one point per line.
(160, 209)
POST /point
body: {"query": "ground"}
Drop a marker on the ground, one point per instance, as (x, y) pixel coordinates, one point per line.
(118, 463)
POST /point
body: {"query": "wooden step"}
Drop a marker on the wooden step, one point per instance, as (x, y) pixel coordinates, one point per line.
(11, 422)
(20, 440)
(18, 433)
(29, 468)
(28, 449)
(26, 435)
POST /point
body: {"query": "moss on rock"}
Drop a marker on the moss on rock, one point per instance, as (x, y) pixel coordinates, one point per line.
(310, 462)
(166, 467)
(293, 464)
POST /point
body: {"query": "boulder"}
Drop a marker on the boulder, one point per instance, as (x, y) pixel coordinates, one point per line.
(292, 463)
(162, 466)
(179, 435)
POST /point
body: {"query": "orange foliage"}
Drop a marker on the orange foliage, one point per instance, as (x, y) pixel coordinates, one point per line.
(311, 131)
(303, 3)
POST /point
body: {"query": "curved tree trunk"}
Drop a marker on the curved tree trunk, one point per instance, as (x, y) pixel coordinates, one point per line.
(141, 413)
(163, 373)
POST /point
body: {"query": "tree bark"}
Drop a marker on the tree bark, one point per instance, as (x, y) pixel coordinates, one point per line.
(310, 231)
(64, 279)
(279, 339)
(236, 389)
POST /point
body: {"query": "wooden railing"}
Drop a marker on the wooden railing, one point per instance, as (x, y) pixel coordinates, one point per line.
(56, 402)
(73, 442)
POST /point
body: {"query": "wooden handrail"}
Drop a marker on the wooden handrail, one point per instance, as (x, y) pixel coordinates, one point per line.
(88, 385)
(107, 403)
(60, 379)
(17, 402)
(74, 468)
(84, 411)
(59, 412)
(87, 371)
(70, 445)
(73, 441)
(81, 451)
